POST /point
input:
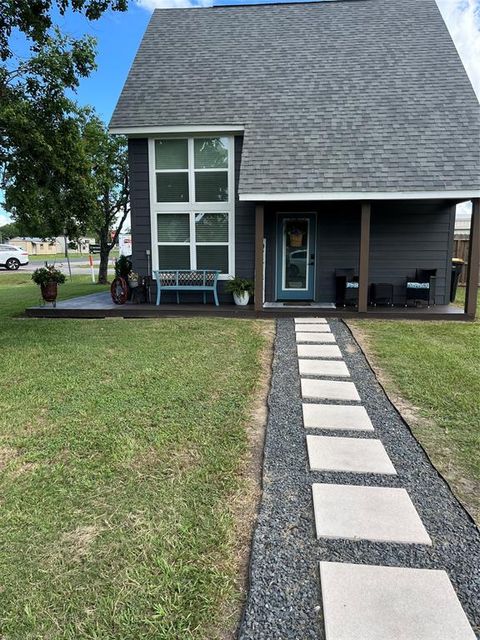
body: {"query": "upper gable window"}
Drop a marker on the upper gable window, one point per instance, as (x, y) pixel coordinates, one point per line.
(191, 170)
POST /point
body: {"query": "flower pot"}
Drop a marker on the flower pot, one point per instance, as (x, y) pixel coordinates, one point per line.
(49, 291)
(241, 299)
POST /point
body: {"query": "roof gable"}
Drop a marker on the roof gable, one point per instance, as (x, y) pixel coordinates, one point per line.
(356, 95)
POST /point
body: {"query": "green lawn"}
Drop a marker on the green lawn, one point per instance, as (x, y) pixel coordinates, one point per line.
(121, 461)
(435, 366)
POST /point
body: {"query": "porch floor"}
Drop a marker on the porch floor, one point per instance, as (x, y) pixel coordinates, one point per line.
(100, 305)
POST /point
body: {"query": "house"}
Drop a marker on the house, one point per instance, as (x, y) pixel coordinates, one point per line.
(79, 245)
(305, 145)
(35, 246)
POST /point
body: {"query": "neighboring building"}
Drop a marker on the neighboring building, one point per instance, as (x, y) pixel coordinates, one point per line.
(35, 246)
(82, 245)
(294, 142)
(463, 222)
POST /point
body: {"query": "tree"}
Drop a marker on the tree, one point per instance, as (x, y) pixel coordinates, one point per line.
(33, 18)
(110, 186)
(9, 231)
(44, 167)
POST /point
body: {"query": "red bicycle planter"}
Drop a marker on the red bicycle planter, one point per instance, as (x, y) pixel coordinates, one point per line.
(119, 290)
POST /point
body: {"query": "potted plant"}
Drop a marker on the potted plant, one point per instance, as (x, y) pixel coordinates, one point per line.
(241, 289)
(123, 267)
(48, 278)
(133, 279)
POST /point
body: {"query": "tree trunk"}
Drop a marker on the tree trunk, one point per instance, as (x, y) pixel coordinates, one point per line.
(104, 253)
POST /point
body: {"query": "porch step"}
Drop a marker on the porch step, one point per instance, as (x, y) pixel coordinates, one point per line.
(379, 514)
(390, 603)
(317, 338)
(319, 351)
(310, 321)
(335, 416)
(329, 390)
(323, 368)
(349, 455)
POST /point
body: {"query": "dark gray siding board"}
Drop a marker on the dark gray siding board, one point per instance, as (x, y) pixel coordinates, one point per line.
(244, 225)
(405, 236)
(140, 202)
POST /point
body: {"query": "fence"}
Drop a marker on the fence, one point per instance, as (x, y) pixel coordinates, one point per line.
(460, 250)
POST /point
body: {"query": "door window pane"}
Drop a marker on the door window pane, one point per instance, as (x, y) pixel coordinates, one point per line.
(211, 186)
(296, 254)
(211, 153)
(173, 227)
(172, 187)
(174, 257)
(171, 154)
(211, 227)
(212, 257)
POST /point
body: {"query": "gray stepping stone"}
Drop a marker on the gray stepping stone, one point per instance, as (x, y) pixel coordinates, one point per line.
(310, 321)
(319, 338)
(335, 416)
(323, 368)
(307, 328)
(379, 514)
(329, 390)
(366, 602)
(350, 455)
(319, 351)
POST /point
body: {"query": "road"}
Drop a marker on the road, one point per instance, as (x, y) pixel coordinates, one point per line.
(80, 266)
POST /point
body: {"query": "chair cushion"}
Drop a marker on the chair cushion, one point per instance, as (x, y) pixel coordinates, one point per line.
(418, 285)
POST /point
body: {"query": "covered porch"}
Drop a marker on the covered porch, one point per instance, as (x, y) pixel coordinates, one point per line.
(100, 305)
(305, 252)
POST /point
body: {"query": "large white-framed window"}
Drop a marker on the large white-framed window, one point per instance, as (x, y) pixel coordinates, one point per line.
(192, 194)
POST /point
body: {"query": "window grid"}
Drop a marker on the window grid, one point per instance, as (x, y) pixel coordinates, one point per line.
(193, 208)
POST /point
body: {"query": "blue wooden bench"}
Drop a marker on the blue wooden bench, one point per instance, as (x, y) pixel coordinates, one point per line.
(187, 280)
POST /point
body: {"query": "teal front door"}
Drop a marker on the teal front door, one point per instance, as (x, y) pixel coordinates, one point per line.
(296, 256)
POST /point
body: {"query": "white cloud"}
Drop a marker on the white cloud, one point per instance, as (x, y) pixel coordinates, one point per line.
(150, 5)
(463, 21)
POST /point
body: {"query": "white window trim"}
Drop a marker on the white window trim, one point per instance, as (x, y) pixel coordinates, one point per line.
(192, 207)
(144, 132)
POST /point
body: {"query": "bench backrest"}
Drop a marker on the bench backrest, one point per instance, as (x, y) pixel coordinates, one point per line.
(187, 278)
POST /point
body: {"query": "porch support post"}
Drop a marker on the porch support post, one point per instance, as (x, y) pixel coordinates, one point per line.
(473, 261)
(259, 234)
(364, 257)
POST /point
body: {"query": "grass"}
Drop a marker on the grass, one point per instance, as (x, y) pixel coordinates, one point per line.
(17, 291)
(121, 449)
(435, 366)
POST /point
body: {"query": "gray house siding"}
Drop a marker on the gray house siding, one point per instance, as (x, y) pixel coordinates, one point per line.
(409, 237)
(244, 225)
(405, 236)
(140, 203)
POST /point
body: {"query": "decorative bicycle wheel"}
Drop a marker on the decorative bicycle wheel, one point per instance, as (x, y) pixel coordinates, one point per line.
(119, 290)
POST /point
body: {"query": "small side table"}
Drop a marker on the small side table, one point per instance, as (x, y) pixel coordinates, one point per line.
(381, 293)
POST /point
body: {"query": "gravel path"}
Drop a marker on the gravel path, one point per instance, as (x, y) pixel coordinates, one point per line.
(284, 600)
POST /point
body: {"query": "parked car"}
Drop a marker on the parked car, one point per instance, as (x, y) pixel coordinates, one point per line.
(12, 257)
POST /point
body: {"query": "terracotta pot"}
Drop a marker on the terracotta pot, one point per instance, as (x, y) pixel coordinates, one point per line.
(49, 291)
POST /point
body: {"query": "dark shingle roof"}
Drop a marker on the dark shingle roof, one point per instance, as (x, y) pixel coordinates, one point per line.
(359, 95)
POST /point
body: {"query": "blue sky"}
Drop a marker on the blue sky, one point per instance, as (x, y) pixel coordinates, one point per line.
(119, 34)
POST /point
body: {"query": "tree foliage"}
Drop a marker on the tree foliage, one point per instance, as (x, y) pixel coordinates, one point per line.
(33, 18)
(58, 166)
